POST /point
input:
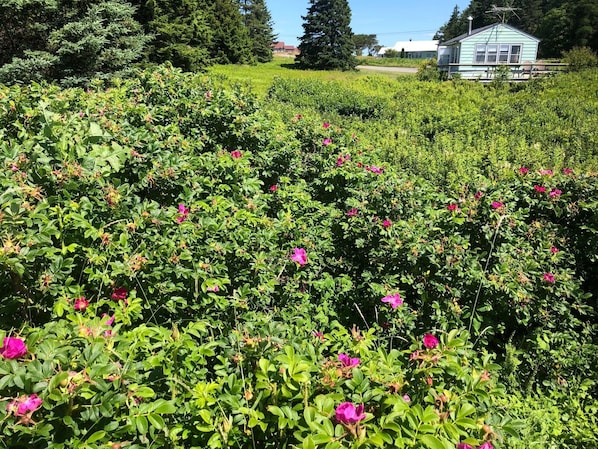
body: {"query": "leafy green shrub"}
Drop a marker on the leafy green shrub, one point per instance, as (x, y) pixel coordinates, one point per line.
(580, 58)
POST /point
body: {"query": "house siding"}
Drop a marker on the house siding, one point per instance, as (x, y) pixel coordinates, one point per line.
(498, 34)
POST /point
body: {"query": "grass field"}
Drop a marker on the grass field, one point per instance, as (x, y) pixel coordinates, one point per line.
(259, 77)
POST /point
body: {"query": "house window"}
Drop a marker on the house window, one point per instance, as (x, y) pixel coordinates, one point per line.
(497, 53)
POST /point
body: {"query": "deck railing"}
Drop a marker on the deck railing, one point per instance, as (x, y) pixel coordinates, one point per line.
(486, 72)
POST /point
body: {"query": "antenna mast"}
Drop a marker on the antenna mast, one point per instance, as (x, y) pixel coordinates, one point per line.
(502, 12)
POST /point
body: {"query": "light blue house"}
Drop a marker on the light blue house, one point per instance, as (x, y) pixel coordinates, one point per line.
(477, 54)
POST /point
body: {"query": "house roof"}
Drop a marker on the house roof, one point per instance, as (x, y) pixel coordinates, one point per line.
(413, 46)
(466, 36)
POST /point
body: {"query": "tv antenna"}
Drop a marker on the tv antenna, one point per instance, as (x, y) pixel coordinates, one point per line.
(503, 12)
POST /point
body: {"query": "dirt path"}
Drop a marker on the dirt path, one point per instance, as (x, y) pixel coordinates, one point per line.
(387, 69)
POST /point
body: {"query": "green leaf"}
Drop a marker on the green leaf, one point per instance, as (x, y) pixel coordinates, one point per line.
(96, 436)
(432, 442)
(165, 407)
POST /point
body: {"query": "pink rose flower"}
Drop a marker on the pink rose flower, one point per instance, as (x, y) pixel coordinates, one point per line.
(119, 294)
(548, 277)
(554, 249)
(497, 204)
(430, 341)
(24, 405)
(464, 446)
(555, 193)
(236, 154)
(110, 320)
(523, 171)
(406, 398)
(387, 223)
(13, 348)
(347, 361)
(326, 125)
(183, 213)
(347, 413)
(351, 213)
(214, 289)
(540, 189)
(273, 188)
(300, 256)
(546, 172)
(394, 300)
(486, 445)
(567, 171)
(81, 304)
(327, 141)
(452, 207)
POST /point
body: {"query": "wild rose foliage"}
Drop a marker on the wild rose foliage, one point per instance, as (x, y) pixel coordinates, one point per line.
(111, 218)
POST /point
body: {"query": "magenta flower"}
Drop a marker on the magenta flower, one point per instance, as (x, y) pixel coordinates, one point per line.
(567, 171)
(347, 361)
(327, 141)
(351, 212)
(497, 204)
(13, 348)
(394, 300)
(430, 341)
(387, 223)
(81, 304)
(24, 405)
(406, 398)
(523, 170)
(183, 213)
(464, 446)
(540, 189)
(109, 321)
(554, 249)
(452, 207)
(347, 413)
(213, 289)
(300, 256)
(119, 294)
(478, 195)
(236, 154)
(486, 445)
(555, 193)
(326, 125)
(375, 169)
(546, 172)
(319, 335)
(273, 188)
(548, 277)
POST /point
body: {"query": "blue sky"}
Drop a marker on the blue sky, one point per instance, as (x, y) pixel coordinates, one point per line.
(389, 20)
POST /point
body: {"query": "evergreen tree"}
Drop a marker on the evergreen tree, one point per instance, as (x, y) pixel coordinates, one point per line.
(453, 28)
(258, 21)
(181, 30)
(97, 40)
(231, 43)
(327, 42)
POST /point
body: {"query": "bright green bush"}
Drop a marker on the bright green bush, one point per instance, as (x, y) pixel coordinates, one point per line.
(223, 237)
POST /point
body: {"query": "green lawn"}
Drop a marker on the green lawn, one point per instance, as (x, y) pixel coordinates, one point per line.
(260, 76)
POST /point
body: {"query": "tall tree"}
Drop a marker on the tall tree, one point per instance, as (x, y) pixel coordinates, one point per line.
(181, 30)
(327, 41)
(231, 43)
(365, 42)
(258, 21)
(99, 40)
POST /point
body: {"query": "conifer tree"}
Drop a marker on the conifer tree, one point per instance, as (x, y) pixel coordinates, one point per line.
(258, 21)
(231, 43)
(327, 42)
(181, 30)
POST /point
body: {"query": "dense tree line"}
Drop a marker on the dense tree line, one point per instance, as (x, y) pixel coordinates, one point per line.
(73, 41)
(560, 24)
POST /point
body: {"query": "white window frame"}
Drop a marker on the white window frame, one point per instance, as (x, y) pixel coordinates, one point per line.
(497, 53)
